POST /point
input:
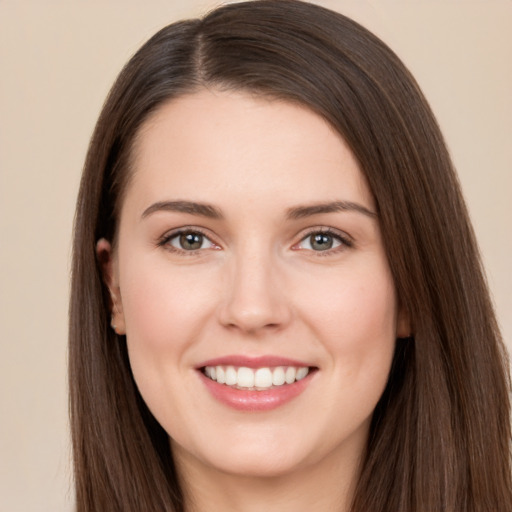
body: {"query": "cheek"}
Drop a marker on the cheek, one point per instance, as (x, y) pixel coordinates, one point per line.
(165, 310)
(358, 305)
(162, 305)
(355, 320)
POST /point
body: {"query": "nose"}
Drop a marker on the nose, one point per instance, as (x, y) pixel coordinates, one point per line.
(254, 298)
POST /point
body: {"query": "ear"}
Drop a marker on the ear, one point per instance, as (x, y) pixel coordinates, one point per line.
(403, 324)
(109, 269)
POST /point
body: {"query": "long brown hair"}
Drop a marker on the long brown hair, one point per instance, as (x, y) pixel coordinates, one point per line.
(440, 435)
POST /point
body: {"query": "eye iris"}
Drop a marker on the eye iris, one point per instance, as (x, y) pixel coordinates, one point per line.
(191, 241)
(321, 241)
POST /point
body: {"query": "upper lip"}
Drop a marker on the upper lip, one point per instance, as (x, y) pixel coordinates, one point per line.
(252, 362)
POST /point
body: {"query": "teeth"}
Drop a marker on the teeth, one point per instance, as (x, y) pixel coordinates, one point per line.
(278, 376)
(263, 378)
(231, 377)
(245, 378)
(301, 373)
(221, 374)
(259, 379)
(289, 375)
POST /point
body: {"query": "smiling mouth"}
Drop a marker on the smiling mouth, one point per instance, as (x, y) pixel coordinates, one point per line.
(256, 379)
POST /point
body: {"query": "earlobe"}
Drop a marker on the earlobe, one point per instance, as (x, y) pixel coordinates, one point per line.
(106, 259)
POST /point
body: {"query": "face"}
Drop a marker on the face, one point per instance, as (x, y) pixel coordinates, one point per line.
(250, 279)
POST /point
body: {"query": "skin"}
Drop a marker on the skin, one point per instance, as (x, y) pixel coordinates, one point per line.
(255, 287)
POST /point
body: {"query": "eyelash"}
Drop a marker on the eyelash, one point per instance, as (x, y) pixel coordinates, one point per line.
(165, 240)
(344, 241)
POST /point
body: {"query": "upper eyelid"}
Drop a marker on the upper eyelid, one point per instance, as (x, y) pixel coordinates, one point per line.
(168, 235)
(345, 242)
(343, 235)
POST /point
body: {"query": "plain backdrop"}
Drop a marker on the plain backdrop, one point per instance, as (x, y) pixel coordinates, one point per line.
(57, 62)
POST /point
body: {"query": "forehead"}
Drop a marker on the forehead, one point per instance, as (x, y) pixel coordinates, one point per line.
(210, 143)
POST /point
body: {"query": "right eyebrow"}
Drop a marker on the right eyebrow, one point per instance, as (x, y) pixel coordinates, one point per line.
(191, 207)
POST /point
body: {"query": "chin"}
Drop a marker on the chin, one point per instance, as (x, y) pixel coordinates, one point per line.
(248, 459)
(258, 467)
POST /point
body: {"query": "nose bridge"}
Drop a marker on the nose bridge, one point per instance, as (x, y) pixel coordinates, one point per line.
(254, 298)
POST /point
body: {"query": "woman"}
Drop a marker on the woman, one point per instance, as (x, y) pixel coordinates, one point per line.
(277, 300)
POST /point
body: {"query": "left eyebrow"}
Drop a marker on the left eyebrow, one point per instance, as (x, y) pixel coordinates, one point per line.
(300, 212)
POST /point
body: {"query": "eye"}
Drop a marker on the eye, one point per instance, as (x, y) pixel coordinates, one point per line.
(321, 241)
(188, 241)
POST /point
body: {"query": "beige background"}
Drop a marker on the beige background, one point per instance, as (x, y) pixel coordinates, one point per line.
(57, 61)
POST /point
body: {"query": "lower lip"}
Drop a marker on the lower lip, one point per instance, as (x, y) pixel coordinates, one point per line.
(251, 400)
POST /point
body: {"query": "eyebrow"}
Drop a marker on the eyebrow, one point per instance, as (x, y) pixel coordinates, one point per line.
(294, 213)
(202, 209)
(300, 212)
